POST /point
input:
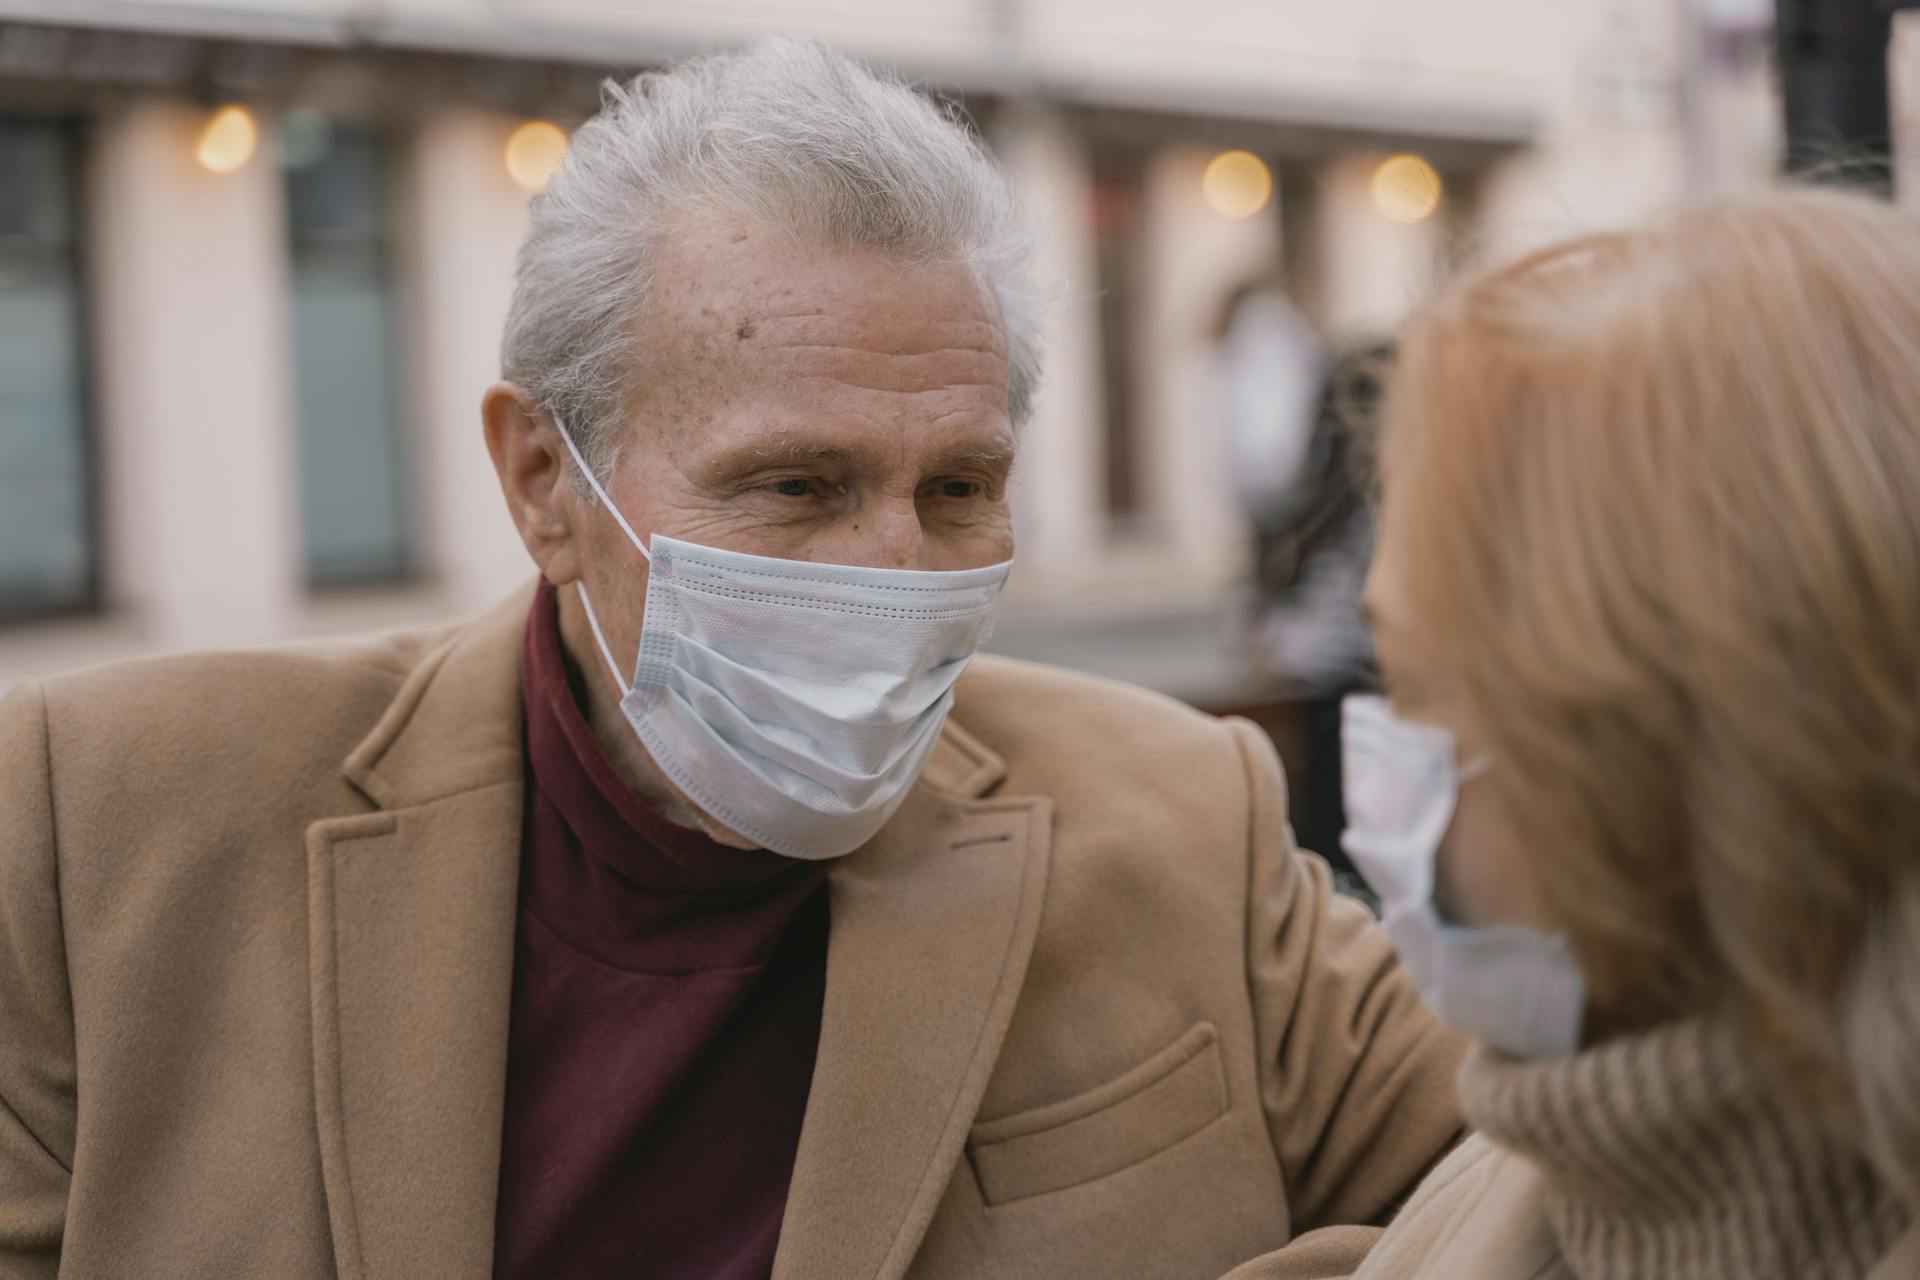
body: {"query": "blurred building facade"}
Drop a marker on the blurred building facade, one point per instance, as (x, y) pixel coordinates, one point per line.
(241, 356)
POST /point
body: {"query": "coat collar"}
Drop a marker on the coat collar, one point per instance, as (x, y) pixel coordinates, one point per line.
(411, 921)
(456, 722)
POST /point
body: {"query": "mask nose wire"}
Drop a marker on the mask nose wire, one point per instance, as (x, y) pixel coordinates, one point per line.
(586, 602)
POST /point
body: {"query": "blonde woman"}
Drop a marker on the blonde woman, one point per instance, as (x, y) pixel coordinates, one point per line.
(1648, 605)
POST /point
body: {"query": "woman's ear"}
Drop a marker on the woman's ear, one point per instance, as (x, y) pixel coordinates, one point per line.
(532, 463)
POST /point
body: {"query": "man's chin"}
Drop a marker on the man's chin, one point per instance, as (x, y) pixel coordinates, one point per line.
(692, 815)
(681, 810)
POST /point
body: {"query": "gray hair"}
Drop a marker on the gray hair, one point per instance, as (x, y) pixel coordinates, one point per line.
(786, 134)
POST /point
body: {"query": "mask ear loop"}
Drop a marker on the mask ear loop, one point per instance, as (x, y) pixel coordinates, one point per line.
(593, 480)
(593, 620)
(600, 638)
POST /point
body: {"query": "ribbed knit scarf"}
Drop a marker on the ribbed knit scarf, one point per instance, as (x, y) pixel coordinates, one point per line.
(1666, 1157)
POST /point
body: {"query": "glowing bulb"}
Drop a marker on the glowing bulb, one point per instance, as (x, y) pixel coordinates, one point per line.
(534, 153)
(1237, 184)
(1406, 189)
(228, 140)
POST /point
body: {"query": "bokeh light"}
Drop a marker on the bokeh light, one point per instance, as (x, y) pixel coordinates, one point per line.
(535, 152)
(1237, 184)
(1406, 188)
(228, 140)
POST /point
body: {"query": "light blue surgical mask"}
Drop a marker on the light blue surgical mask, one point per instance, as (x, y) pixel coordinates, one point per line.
(1511, 986)
(794, 703)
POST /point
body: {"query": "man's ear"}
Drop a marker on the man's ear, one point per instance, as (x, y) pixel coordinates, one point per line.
(533, 464)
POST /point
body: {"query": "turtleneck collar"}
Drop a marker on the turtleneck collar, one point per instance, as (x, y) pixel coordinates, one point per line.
(1668, 1154)
(611, 819)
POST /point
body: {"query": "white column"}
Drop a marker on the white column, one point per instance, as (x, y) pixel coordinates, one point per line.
(462, 221)
(1611, 149)
(1057, 500)
(1375, 270)
(196, 419)
(1196, 257)
(1904, 76)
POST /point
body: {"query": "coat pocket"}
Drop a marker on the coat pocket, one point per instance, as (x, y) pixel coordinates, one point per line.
(1172, 1095)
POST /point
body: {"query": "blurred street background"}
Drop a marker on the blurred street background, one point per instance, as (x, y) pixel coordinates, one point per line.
(254, 256)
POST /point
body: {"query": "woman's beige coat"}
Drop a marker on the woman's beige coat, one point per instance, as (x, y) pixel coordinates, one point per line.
(1481, 1214)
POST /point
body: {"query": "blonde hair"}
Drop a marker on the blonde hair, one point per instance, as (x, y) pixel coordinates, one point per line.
(1656, 501)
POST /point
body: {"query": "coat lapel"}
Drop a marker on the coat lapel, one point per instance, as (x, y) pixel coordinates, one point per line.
(932, 924)
(411, 918)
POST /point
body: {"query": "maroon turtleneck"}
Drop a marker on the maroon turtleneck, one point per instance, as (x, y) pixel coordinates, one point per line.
(666, 1012)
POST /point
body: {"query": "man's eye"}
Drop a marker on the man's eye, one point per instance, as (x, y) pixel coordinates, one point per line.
(958, 489)
(792, 487)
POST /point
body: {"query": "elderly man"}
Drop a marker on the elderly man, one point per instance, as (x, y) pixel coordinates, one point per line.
(663, 922)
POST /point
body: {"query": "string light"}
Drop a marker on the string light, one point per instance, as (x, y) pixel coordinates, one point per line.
(1237, 184)
(228, 140)
(1406, 188)
(535, 152)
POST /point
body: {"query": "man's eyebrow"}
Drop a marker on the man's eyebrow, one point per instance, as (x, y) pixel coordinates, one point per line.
(779, 453)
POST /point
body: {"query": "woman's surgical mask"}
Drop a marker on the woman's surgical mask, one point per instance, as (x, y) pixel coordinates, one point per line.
(795, 703)
(1511, 986)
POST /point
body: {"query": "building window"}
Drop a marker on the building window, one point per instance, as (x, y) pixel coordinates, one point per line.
(353, 468)
(48, 547)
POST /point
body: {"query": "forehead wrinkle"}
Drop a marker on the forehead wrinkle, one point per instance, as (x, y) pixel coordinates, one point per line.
(933, 368)
(996, 457)
(712, 350)
(833, 330)
(848, 348)
(994, 391)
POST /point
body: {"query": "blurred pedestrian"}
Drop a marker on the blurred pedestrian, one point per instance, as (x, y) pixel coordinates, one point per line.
(1313, 534)
(1270, 364)
(1644, 807)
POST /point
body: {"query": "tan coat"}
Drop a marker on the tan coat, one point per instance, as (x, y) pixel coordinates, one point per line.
(1087, 1014)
